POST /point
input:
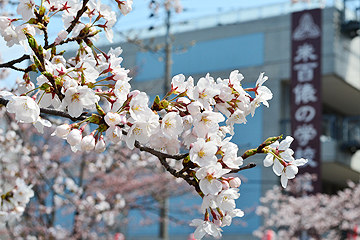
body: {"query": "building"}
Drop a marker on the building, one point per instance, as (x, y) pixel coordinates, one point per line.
(254, 41)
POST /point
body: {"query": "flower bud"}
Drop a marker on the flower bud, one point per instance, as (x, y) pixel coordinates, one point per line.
(100, 145)
(74, 137)
(62, 131)
(225, 185)
(235, 182)
(88, 143)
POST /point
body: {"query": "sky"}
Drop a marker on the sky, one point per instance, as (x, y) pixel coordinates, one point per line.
(139, 18)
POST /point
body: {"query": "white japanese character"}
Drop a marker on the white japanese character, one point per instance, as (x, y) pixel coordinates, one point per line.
(308, 153)
(304, 133)
(306, 29)
(305, 113)
(304, 93)
(305, 52)
(305, 71)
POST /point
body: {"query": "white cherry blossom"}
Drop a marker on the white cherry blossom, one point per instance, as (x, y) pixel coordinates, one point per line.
(282, 150)
(25, 108)
(100, 145)
(208, 176)
(62, 131)
(78, 98)
(205, 227)
(26, 9)
(88, 143)
(227, 219)
(287, 170)
(172, 125)
(205, 120)
(112, 119)
(204, 91)
(226, 199)
(203, 153)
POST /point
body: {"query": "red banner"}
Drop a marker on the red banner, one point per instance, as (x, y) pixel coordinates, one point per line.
(306, 103)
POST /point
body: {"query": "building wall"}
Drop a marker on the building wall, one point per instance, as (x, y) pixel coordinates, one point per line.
(253, 47)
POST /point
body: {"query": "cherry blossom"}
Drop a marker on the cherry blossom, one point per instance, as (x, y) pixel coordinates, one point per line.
(205, 227)
(203, 153)
(208, 178)
(287, 170)
(25, 108)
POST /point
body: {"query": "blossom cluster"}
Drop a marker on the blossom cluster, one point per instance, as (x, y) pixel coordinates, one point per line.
(194, 116)
(15, 193)
(109, 188)
(300, 216)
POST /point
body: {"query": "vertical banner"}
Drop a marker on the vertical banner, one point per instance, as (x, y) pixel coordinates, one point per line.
(306, 102)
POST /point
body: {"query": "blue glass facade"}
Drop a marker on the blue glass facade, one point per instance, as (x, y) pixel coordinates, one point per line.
(208, 56)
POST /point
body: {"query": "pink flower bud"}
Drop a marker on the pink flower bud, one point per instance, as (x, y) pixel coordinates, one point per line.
(225, 185)
(235, 182)
(61, 36)
(74, 137)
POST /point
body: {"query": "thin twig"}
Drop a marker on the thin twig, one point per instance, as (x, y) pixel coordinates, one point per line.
(248, 166)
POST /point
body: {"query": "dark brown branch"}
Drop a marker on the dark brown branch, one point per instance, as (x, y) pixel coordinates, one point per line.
(159, 154)
(248, 166)
(62, 114)
(46, 37)
(11, 63)
(78, 16)
(162, 158)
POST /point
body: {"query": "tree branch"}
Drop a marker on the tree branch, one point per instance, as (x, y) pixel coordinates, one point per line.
(159, 154)
(78, 16)
(62, 114)
(73, 39)
(10, 64)
(248, 166)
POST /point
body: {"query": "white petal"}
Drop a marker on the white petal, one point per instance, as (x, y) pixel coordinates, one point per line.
(269, 160)
(291, 171)
(284, 181)
(277, 167)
